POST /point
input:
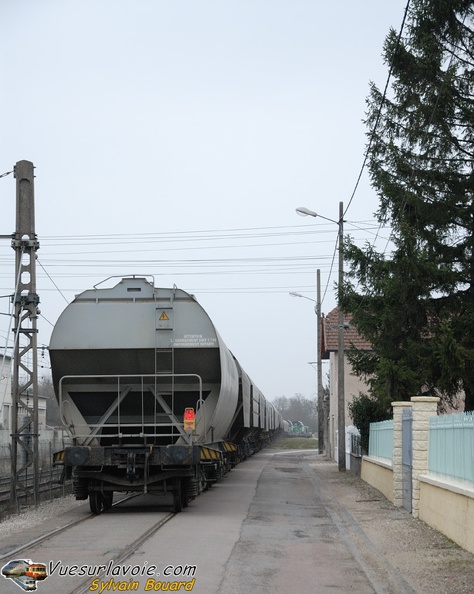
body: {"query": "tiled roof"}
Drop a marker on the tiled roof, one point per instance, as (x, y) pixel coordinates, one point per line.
(329, 339)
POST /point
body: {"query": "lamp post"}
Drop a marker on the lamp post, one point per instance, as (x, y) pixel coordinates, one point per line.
(341, 420)
(317, 309)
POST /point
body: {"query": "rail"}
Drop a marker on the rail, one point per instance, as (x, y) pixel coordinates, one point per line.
(49, 486)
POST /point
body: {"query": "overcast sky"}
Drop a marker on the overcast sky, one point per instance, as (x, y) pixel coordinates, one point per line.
(175, 138)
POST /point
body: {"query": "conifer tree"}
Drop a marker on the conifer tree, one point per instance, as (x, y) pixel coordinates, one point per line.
(416, 302)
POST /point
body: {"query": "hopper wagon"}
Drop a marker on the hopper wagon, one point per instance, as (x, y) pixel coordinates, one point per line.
(153, 399)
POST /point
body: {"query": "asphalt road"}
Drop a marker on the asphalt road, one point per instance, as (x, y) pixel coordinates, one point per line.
(295, 538)
(289, 521)
(282, 521)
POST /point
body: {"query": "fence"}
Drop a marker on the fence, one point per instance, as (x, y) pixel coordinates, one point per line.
(442, 468)
(356, 445)
(451, 447)
(49, 441)
(381, 439)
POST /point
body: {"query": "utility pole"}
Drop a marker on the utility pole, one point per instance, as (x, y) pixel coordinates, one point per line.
(341, 404)
(319, 364)
(25, 395)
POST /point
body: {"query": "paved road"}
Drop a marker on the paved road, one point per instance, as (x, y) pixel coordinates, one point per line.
(298, 538)
(283, 521)
(289, 521)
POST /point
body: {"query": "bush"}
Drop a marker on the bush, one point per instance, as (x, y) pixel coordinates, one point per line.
(366, 409)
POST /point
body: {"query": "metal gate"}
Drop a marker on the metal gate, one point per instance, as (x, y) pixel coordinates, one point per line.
(407, 458)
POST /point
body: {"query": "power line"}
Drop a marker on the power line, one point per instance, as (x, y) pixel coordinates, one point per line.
(58, 289)
(72, 264)
(379, 113)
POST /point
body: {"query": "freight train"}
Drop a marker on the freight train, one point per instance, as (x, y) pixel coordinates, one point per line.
(153, 399)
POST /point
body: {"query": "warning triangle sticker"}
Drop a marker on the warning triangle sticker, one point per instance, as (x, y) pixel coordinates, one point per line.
(163, 317)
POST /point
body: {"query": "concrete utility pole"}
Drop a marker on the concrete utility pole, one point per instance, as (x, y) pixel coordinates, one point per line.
(341, 403)
(341, 422)
(319, 364)
(25, 396)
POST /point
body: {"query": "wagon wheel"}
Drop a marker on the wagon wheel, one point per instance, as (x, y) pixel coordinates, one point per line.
(203, 479)
(96, 502)
(107, 499)
(178, 491)
(184, 493)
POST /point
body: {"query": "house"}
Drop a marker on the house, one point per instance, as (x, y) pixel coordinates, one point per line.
(352, 384)
(6, 408)
(5, 392)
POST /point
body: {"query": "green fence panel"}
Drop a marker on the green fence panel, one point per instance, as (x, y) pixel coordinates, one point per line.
(451, 447)
(381, 439)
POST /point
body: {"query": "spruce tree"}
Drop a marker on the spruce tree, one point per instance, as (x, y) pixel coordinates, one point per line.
(416, 303)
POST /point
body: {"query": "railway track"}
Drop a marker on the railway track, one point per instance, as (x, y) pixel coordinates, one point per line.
(40, 539)
(49, 487)
(52, 540)
(126, 553)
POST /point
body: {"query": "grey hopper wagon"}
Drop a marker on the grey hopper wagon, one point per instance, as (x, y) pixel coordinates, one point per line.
(127, 362)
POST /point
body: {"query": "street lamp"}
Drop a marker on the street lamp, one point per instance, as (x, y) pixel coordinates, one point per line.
(321, 415)
(341, 421)
(294, 294)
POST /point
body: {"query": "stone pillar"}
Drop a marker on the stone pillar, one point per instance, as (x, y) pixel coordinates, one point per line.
(423, 407)
(398, 408)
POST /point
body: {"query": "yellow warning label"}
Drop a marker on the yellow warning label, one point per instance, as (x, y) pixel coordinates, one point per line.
(163, 316)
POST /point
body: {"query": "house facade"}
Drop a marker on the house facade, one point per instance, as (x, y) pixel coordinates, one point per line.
(6, 407)
(352, 384)
(5, 392)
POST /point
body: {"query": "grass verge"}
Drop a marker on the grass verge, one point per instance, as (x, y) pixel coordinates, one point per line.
(295, 443)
